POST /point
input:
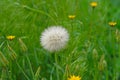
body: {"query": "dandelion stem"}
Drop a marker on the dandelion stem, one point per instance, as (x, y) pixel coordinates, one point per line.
(72, 26)
(56, 62)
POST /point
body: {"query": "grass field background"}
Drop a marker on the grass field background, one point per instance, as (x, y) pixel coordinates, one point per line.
(93, 50)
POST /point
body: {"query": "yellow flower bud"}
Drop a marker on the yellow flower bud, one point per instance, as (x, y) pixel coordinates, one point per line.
(93, 4)
(74, 78)
(112, 24)
(71, 16)
(10, 37)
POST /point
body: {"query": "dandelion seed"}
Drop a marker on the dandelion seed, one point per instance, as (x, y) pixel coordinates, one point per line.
(71, 16)
(10, 37)
(93, 4)
(74, 78)
(54, 38)
(112, 24)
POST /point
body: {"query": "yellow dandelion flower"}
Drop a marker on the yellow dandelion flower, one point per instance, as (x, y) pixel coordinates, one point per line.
(74, 78)
(10, 37)
(71, 16)
(112, 23)
(93, 4)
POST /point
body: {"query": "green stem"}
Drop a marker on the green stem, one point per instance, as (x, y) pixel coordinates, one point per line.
(113, 53)
(22, 71)
(72, 25)
(56, 62)
(30, 66)
(39, 11)
(107, 74)
(66, 74)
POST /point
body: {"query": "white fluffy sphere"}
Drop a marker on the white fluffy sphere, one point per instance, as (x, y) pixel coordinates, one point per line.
(54, 38)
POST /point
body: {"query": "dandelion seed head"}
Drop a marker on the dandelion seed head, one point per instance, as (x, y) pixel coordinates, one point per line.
(54, 38)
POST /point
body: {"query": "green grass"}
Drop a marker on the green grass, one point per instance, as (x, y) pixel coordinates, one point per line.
(93, 53)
